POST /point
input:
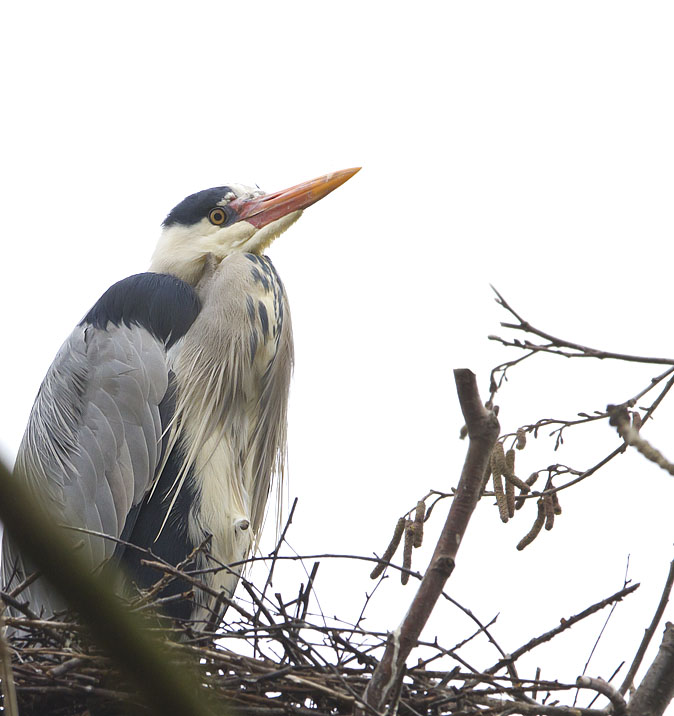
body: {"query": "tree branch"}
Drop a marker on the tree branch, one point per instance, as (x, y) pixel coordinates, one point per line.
(604, 688)
(579, 351)
(657, 688)
(483, 430)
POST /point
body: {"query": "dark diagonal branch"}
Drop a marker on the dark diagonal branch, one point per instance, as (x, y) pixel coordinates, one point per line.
(562, 626)
(657, 688)
(483, 430)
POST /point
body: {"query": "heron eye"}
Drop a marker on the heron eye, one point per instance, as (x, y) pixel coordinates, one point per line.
(217, 216)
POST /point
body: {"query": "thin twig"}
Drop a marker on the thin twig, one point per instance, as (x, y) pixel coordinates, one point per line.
(580, 350)
(563, 626)
(648, 636)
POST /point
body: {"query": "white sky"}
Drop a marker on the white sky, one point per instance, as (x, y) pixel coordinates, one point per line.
(526, 144)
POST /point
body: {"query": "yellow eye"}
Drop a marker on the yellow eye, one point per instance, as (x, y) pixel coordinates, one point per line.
(217, 216)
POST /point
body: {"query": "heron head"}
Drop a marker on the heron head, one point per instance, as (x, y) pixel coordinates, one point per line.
(230, 219)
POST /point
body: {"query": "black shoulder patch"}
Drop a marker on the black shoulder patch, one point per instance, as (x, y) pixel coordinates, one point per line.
(162, 304)
(196, 206)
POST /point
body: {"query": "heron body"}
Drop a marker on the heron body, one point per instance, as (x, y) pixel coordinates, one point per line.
(162, 420)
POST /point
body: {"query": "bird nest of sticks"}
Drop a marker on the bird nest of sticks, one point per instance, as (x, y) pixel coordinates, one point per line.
(271, 656)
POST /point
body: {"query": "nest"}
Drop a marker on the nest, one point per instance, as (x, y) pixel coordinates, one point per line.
(271, 657)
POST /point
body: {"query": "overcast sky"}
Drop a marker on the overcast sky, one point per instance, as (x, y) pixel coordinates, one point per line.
(524, 144)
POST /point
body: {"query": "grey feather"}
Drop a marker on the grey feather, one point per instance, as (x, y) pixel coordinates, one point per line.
(90, 450)
(232, 405)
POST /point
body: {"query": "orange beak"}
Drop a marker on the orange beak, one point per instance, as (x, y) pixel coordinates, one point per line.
(262, 210)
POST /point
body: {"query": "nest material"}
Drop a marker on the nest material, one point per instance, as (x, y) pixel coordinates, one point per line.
(272, 657)
(68, 676)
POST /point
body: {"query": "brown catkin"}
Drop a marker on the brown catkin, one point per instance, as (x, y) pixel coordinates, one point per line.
(500, 497)
(418, 525)
(510, 472)
(535, 529)
(518, 483)
(557, 508)
(510, 462)
(510, 497)
(498, 467)
(521, 439)
(407, 551)
(549, 509)
(498, 460)
(390, 550)
(530, 481)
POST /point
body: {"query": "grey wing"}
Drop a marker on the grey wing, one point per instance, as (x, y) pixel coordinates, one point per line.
(93, 441)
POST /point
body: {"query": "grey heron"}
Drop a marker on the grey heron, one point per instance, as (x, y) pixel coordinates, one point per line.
(162, 420)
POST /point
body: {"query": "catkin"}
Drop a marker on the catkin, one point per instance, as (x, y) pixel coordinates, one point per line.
(521, 439)
(510, 462)
(498, 460)
(549, 509)
(390, 550)
(407, 551)
(498, 467)
(500, 498)
(535, 529)
(529, 482)
(418, 526)
(555, 504)
(510, 497)
(510, 472)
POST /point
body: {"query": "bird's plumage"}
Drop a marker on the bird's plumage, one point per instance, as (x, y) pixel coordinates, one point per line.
(94, 437)
(162, 421)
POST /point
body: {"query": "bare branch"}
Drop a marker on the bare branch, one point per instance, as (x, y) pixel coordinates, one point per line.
(563, 625)
(604, 688)
(555, 344)
(483, 430)
(657, 688)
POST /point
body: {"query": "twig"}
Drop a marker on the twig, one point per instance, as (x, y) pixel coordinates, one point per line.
(641, 651)
(274, 554)
(603, 628)
(563, 626)
(554, 342)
